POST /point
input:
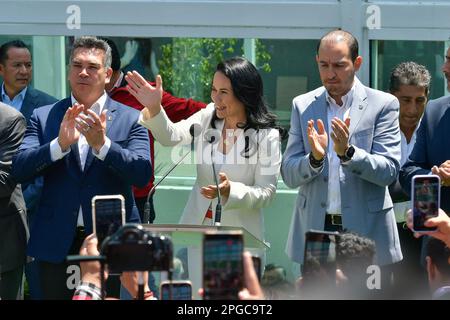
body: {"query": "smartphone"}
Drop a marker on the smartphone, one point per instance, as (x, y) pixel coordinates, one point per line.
(319, 265)
(181, 290)
(425, 198)
(108, 215)
(257, 266)
(223, 275)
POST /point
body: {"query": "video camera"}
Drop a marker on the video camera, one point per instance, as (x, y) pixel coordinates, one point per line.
(132, 248)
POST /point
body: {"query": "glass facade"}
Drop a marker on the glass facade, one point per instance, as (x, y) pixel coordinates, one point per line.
(387, 54)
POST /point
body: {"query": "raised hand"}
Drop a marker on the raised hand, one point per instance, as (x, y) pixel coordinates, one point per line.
(149, 96)
(318, 139)
(340, 135)
(210, 191)
(131, 48)
(68, 133)
(93, 128)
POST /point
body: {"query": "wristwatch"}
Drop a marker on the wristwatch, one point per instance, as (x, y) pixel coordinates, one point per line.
(315, 163)
(347, 156)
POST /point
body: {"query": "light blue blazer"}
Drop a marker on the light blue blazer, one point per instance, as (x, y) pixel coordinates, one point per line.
(366, 204)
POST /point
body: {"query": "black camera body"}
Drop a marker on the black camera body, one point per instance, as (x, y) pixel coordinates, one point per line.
(132, 248)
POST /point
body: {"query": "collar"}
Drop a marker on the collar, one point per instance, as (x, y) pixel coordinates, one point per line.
(20, 94)
(97, 106)
(347, 99)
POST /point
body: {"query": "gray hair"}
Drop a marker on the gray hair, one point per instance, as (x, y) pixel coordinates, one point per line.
(410, 74)
(93, 43)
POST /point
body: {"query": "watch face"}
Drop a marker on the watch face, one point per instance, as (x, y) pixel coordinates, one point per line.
(350, 152)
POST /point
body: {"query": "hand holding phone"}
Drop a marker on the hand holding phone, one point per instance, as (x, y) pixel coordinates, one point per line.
(425, 198)
(223, 275)
(108, 215)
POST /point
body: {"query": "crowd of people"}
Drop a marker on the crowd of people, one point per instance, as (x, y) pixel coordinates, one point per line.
(352, 152)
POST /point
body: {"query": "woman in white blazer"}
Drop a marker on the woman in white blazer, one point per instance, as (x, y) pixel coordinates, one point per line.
(246, 148)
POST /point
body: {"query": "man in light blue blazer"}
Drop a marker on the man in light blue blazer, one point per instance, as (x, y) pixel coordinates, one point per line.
(83, 146)
(343, 153)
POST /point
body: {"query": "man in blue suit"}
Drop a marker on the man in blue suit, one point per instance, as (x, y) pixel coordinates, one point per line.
(83, 146)
(16, 69)
(343, 153)
(431, 152)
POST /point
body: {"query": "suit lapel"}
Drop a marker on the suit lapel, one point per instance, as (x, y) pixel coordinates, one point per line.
(320, 112)
(358, 107)
(27, 104)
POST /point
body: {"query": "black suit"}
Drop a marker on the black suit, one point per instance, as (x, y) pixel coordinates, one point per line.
(13, 228)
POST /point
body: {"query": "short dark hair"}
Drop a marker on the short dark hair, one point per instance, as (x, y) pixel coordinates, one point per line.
(439, 254)
(115, 55)
(354, 253)
(409, 73)
(334, 35)
(8, 45)
(93, 43)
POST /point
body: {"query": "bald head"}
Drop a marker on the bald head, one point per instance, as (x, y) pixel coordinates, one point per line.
(338, 36)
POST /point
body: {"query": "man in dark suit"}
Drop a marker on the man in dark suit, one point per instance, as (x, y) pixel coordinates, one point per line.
(13, 227)
(16, 69)
(431, 152)
(85, 145)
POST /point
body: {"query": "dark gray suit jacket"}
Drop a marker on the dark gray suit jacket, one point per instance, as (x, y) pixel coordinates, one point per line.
(13, 227)
(33, 99)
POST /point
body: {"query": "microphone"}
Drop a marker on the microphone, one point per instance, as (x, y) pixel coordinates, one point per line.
(194, 131)
(218, 215)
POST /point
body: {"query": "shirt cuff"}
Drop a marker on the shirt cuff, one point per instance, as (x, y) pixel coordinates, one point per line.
(56, 152)
(103, 150)
(316, 170)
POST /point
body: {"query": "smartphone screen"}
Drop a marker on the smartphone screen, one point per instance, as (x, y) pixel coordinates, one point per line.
(181, 290)
(319, 266)
(222, 265)
(425, 200)
(257, 266)
(108, 215)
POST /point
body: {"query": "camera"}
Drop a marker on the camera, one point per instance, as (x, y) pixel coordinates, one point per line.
(132, 248)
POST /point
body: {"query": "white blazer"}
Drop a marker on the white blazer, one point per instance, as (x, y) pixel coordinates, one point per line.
(253, 180)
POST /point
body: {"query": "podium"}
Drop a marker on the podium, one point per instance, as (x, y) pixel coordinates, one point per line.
(192, 235)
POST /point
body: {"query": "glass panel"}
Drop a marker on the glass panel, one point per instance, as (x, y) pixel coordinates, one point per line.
(388, 54)
(48, 62)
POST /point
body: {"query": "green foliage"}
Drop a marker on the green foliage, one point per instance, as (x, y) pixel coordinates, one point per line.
(188, 64)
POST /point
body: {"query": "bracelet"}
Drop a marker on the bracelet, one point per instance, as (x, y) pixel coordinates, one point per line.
(316, 163)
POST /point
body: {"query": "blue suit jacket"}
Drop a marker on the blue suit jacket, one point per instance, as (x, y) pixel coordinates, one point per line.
(66, 187)
(365, 201)
(432, 147)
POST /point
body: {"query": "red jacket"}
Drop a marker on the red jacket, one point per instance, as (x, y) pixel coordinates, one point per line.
(176, 108)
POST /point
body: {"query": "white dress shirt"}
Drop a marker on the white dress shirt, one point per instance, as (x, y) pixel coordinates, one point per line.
(334, 188)
(400, 208)
(17, 101)
(56, 153)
